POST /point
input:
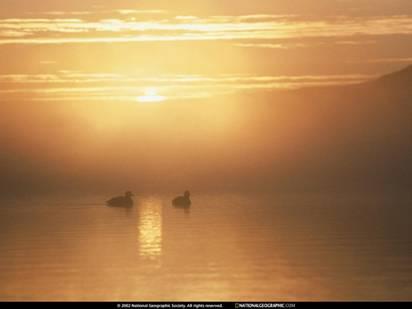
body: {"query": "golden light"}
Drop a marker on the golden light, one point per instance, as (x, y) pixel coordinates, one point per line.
(151, 96)
(150, 228)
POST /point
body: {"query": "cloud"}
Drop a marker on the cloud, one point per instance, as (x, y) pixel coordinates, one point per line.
(63, 13)
(358, 42)
(270, 45)
(15, 33)
(138, 12)
(67, 85)
(192, 28)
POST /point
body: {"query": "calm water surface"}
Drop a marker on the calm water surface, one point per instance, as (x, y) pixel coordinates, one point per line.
(225, 247)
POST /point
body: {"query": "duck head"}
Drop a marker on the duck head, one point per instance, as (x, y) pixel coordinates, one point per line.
(187, 194)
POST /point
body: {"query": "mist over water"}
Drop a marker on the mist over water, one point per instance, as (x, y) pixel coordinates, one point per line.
(321, 140)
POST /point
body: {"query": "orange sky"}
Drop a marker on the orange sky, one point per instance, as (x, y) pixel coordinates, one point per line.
(117, 50)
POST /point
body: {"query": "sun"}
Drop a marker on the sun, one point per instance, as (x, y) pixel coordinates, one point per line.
(150, 96)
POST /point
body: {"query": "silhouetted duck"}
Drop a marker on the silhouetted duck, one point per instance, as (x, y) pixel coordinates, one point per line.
(121, 201)
(182, 201)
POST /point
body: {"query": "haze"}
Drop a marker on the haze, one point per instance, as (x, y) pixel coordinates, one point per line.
(156, 96)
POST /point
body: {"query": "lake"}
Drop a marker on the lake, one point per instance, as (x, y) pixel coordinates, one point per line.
(225, 247)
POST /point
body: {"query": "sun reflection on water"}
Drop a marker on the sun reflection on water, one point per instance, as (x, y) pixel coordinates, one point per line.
(150, 229)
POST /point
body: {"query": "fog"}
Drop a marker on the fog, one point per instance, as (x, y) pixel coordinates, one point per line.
(355, 138)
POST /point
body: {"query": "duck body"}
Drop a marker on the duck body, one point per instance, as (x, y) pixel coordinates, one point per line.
(182, 201)
(121, 201)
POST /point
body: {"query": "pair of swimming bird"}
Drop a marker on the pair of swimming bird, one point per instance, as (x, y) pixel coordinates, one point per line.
(127, 200)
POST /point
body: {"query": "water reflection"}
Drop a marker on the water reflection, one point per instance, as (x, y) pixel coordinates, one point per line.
(230, 247)
(185, 209)
(150, 228)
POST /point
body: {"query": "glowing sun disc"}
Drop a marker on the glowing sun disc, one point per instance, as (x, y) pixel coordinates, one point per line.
(150, 96)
